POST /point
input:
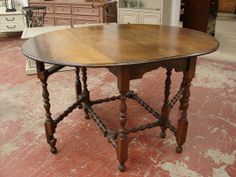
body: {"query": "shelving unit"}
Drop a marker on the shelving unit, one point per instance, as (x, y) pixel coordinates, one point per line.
(165, 12)
(148, 12)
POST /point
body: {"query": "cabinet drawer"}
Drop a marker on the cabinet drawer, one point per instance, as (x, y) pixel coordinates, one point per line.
(85, 20)
(149, 18)
(62, 9)
(49, 21)
(62, 20)
(49, 7)
(85, 10)
(11, 27)
(11, 18)
(129, 17)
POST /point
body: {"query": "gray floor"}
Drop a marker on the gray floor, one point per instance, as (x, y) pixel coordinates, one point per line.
(226, 35)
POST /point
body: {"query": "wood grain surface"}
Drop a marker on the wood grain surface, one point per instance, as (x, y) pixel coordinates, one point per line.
(113, 45)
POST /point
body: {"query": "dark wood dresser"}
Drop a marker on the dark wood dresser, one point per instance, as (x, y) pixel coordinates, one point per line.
(200, 15)
(73, 12)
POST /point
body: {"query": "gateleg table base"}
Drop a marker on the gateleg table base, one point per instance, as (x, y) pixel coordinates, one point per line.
(119, 139)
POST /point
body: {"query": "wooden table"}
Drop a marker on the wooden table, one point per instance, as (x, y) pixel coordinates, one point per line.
(128, 51)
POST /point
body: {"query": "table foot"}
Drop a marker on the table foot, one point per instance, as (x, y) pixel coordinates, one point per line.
(121, 167)
(53, 150)
(162, 134)
(86, 114)
(52, 142)
(122, 151)
(179, 149)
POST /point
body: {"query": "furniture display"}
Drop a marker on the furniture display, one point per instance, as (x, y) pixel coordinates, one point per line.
(11, 21)
(146, 11)
(200, 15)
(74, 12)
(128, 57)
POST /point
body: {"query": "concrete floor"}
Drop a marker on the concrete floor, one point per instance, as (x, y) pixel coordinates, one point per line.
(210, 149)
(226, 34)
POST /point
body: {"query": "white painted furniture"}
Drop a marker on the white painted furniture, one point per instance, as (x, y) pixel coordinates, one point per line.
(165, 12)
(11, 21)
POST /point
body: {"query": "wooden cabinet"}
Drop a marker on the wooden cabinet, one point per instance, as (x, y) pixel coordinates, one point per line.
(227, 6)
(62, 20)
(73, 12)
(11, 21)
(200, 15)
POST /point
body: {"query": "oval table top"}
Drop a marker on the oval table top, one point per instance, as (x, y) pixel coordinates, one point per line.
(116, 45)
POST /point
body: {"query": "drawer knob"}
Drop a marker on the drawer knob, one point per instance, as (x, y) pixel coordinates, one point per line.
(11, 26)
(10, 19)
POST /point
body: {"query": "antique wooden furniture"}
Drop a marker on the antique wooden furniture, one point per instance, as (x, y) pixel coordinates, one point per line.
(128, 51)
(200, 15)
(32, 32)
(11, 21)
(73, 12)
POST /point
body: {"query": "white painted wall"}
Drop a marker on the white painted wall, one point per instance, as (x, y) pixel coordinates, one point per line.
(21, 3)
(171, 12)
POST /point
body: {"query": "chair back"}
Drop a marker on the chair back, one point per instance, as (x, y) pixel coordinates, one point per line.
(34, 15)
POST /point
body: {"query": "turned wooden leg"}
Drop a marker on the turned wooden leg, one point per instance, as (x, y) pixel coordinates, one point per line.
(183, 122)
(78, 88)
(85, 93)
(122, 139)
(165, 112)
(181, 98)
(50, 125)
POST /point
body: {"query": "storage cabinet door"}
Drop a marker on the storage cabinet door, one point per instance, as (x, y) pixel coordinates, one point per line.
(128, 17)
(149, 18)
(85, 10)
(49, 20)
(62, 9)
(62, 20)
(84, 20)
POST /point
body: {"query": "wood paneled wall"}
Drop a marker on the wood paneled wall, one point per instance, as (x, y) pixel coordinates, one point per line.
(227, 5)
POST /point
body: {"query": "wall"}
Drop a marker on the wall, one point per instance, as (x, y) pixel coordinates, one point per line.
(171, 12)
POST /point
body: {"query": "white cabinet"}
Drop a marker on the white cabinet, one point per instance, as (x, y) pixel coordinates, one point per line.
(160, 12)
(149, 18)
(11, 21)
(129, 16)
(139, 16)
